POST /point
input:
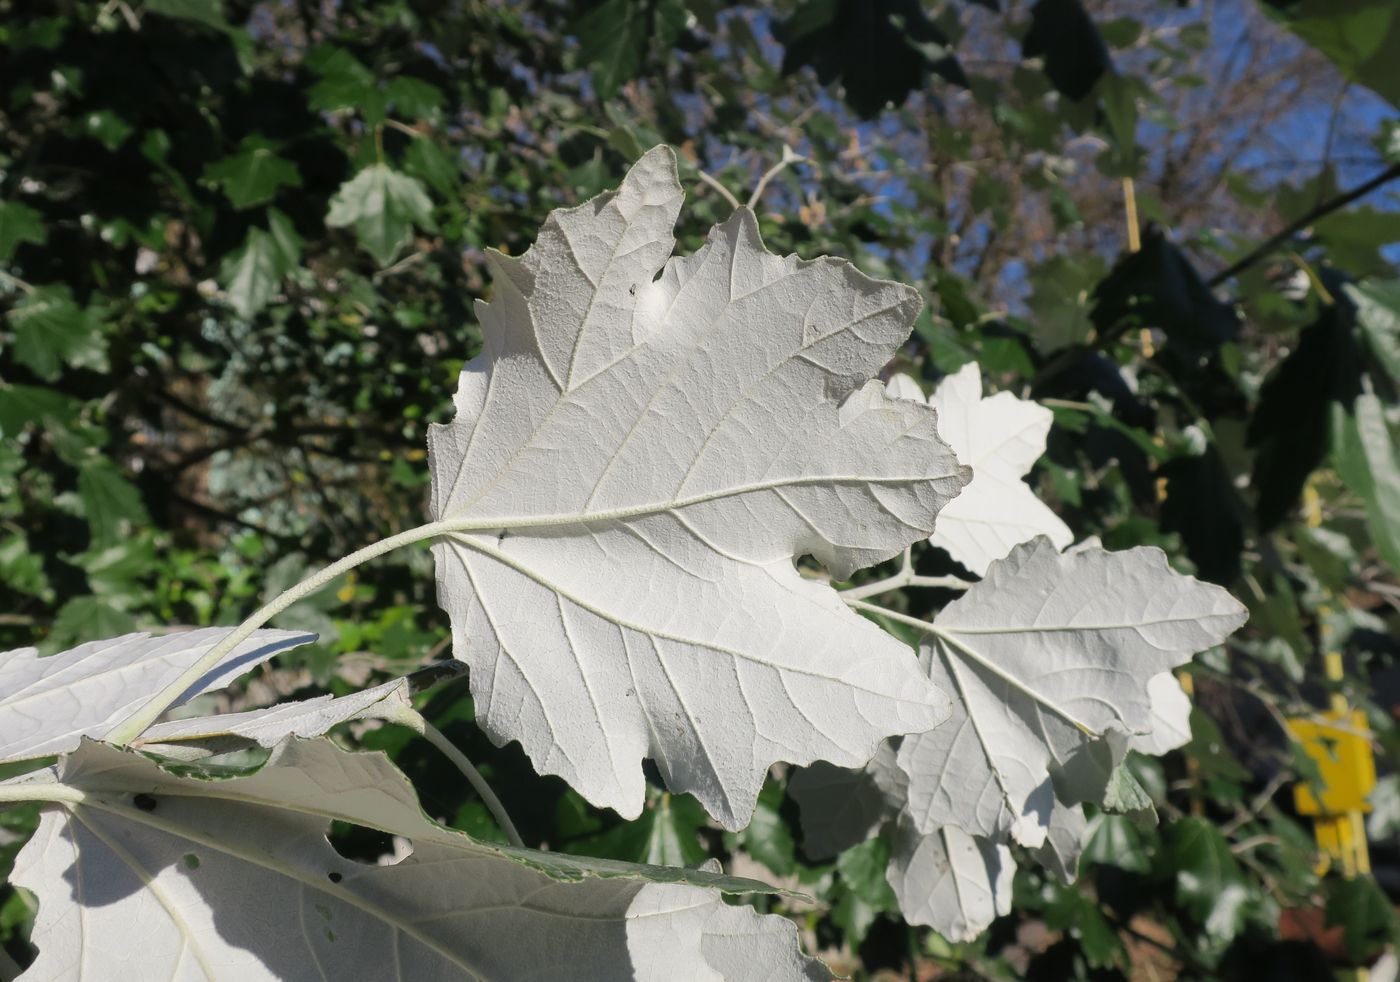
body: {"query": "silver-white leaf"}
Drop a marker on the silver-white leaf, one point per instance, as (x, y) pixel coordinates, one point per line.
(1171, 718)
(948, 880)
(635, 462)
(1045, 655)
(1064, 842)
(146, 875)
(267, 727)
(47, 705)
(1001, 437)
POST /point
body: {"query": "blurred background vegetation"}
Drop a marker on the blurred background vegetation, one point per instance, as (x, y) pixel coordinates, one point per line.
(239, 244)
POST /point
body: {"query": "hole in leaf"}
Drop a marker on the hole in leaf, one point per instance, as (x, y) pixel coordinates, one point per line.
(358, 844)
(334, 877)
(191, 861)
(145, 802)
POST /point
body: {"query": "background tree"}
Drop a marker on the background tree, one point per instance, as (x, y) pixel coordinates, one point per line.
(238, 244)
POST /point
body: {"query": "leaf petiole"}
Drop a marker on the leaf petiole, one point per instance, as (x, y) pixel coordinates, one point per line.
(137, 723)
(460, 760)
(905, 577)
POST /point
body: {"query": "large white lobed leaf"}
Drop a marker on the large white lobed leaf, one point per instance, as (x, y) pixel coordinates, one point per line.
(1044, 656)
(636, 460)
(47, 705)
(150, 875)
(1001, 437)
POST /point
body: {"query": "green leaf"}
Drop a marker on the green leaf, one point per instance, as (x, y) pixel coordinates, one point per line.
(767, 837)
(614, 36)
(1059, 299)
(1361, 36)
(107, 128)
(207, 12)
(1071, 911)
(51, 330)
(19, 223)
(1378, 316)
(426, 160)
(413, 97)
(254, 174)
(865, 893)
(344, 84)
(382, 205)
(1366, 448)
(666, 834)
(22, 568)
(111, 503)
(671, 840)
(252, 275)
(1364, 913)
(1208, 880)
(1115, 840)
(21, 405)
(85, 618)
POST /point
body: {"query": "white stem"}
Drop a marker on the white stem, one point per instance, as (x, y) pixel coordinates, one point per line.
(905, 577)
(136, 724)
(724, 192)
(788, 158)
(460, 760)
(39, 791)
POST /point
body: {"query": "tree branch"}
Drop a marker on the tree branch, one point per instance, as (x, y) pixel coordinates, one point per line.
(1302, 222)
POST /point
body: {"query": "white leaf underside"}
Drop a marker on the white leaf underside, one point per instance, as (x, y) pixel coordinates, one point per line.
(1047, 653)
(234, 880)
(303, 718)
(1000, 437)
(950, 881)
(1171, 718)
(47, 705)
(636, 461)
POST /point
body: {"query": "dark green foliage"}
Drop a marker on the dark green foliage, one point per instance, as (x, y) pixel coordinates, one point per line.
(878, 50)
(1289, 430)
(1063, 33)
(1158, 287)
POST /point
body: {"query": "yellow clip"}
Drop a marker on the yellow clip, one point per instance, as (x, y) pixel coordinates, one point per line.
(1340, 744)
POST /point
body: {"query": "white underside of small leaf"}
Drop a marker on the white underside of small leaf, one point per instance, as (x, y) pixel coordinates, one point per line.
(1171, 718)
(1064, 842)
(950, 881)
(639, 461)
(1001, 437)
(47, 705)
(1043, 656)
(234, 879)
(267, 727)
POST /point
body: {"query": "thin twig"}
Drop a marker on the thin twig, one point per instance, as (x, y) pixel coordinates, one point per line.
(1302, 222)
(724, 192)
(789, 158)
(161, 701)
